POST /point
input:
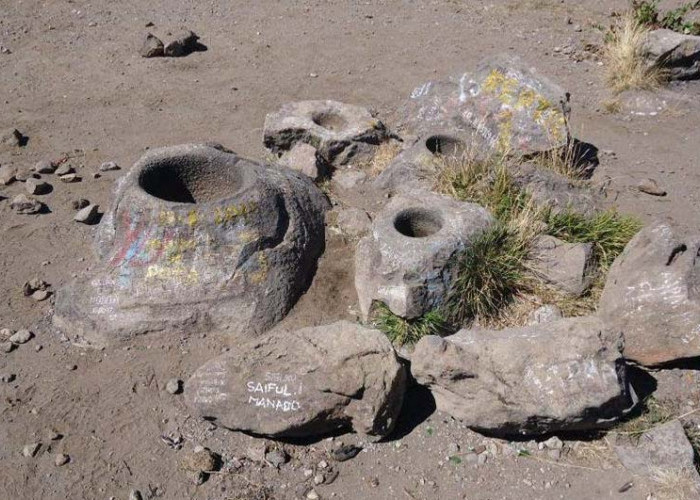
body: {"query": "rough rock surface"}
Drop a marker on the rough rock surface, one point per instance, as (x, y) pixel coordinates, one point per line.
(562, 375)
(340, 132)
(353, 222)
(23, 204)
(545, 314)
(152, 47)
(303, 158)
(676, 53)
(7, 174)
(10, 138)
(566, 266)
(652, 294)
(407, 260)
(184, 43)
(197, 239)
(506, 103)
(415, 167)
(303, 383)
(662, 448)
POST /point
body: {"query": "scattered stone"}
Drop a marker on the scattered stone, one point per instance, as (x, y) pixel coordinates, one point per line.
(68, 178)
(33, 285)
(7, 174)
(7, 347)
(545, 314)
(566, 266)
(21, 337)
(23, 204)
(41, 295)
(340, 132)
(79, 203)
(108, 166)
(61, 459)
(174, 386)
(406, 261)
(346, 452)
(323, 464)
(152, 47)
(10, 138)
(23, 174)
(8, 378)
(677, 54)
(54, 435)
(64, 169)
(45, 167)
(554, 443)
(349, 179)
(185, 43)
(353, 222)
(650, 186)
(201, 460)
(303, 158)
(4, 50)
(88, 215)
(277, 458)
(319, 479)
(30, 450)
(330, 363)
(650, 295)
(135, 495)
(35, 186)
(312, 495)
(564, 375)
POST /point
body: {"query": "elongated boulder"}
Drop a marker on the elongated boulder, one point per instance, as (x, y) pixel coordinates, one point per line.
(197, 239)
(652, 295)
(504, 103)
(303, 383)
(563, 375)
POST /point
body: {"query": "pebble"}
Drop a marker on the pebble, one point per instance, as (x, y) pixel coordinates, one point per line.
(33, 285)
(79, 203)
(24, 174)
(174, 386)
(200, 460)
(7, 175)
(21, 337)
(277, 457)
(7, 347)
(308, 472)
(312, 495)
(319, 479)
(64, 169)
(7, 378)
(184, 43)
(346, 452)
(30, 450)
(61, 459)
(135, 495)
(5, 334)
(87, 215)
(11, 137)
(45, 167)
(554, 443)
(71, 368)
(152, 47)
(69, 178)
(650, 186)
(23, 204)
(40, 295)
(54, 435)
(108, 165)
(323, 464)
(452, 448)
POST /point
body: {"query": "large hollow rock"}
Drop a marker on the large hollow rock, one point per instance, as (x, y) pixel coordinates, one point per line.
(505, 104)
(675, 53)
(407, 261)
(197, 239)
(562, 375)
(303, 383)
(340, 132)
(652, 295)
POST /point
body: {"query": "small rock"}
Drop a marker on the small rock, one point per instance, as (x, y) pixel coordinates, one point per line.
(7, 347)
(45, 167)
(79, 203)
(545, 314)
(68, 178)
(11, 138)
(323, 464)
(277, 457)
(481, 459)
(174, 386)
(303, 158)
(135, 495)
(64, 169)
(200, 460)
(87, 215)
(61, 459)
(554, 454)
(35, 186)
(54, 435)
(308, 472)
(7, 174)
(152, 47)
(109, 166)
(30, 450)
(346, 452)
(319, 479)
(452, 448)
(650, 186)
(23, 204)
(21, 337)
(184, 44)
(554, 443)
(33, 285)
(8, 378)
(353, 222)
(24, 174)
(312, 495)
(4, 50)
(41, 295)
(5, 334)
(349, 179)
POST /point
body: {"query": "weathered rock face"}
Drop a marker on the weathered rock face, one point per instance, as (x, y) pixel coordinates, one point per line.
(678, 54)
(303, 383)
(562, 375)
(652, 295)
(415, 167)
(407, 260)
(566, 266)
(197, 238)
(340, 132)
(504, 102)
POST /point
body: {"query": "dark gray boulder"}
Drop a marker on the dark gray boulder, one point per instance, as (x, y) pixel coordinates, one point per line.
(677, 54)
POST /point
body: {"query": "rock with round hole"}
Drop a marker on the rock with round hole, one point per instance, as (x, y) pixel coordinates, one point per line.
(303, 383)
(504, 105)
(652, 295)
(341, 133)
(407, 260)
(197, 239)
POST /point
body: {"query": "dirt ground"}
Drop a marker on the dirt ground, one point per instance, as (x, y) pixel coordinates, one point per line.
(75, 84)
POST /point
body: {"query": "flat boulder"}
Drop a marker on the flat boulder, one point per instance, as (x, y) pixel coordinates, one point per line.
(652, 295)
(561, 375)
(303, 383)
(675, 53)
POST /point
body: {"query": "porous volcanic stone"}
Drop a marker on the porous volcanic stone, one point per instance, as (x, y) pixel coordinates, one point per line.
(303, 158)
(562, 375)
(340, 132)
(303, 383)
(407, 260)
(197, 239)
(676, 53)
(652, 294)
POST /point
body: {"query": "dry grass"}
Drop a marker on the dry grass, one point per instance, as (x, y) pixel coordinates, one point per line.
(612, 106)
(625, 67)
(386, 152)
(675, 484)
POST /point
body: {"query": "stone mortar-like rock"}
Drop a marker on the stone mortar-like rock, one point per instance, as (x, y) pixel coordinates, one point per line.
(407, 262)
(562, 375)
(340, 132)
(197, 239)
(303, 383)
(652, 295)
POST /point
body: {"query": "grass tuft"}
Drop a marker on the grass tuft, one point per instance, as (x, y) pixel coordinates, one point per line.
(623, 56)
(408, 331)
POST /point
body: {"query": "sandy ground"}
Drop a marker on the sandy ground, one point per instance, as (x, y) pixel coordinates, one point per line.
(75, 85)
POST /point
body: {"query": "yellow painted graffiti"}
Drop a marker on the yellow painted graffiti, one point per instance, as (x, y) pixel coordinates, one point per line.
(168, 218)
(259, 276)
(232, 212)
